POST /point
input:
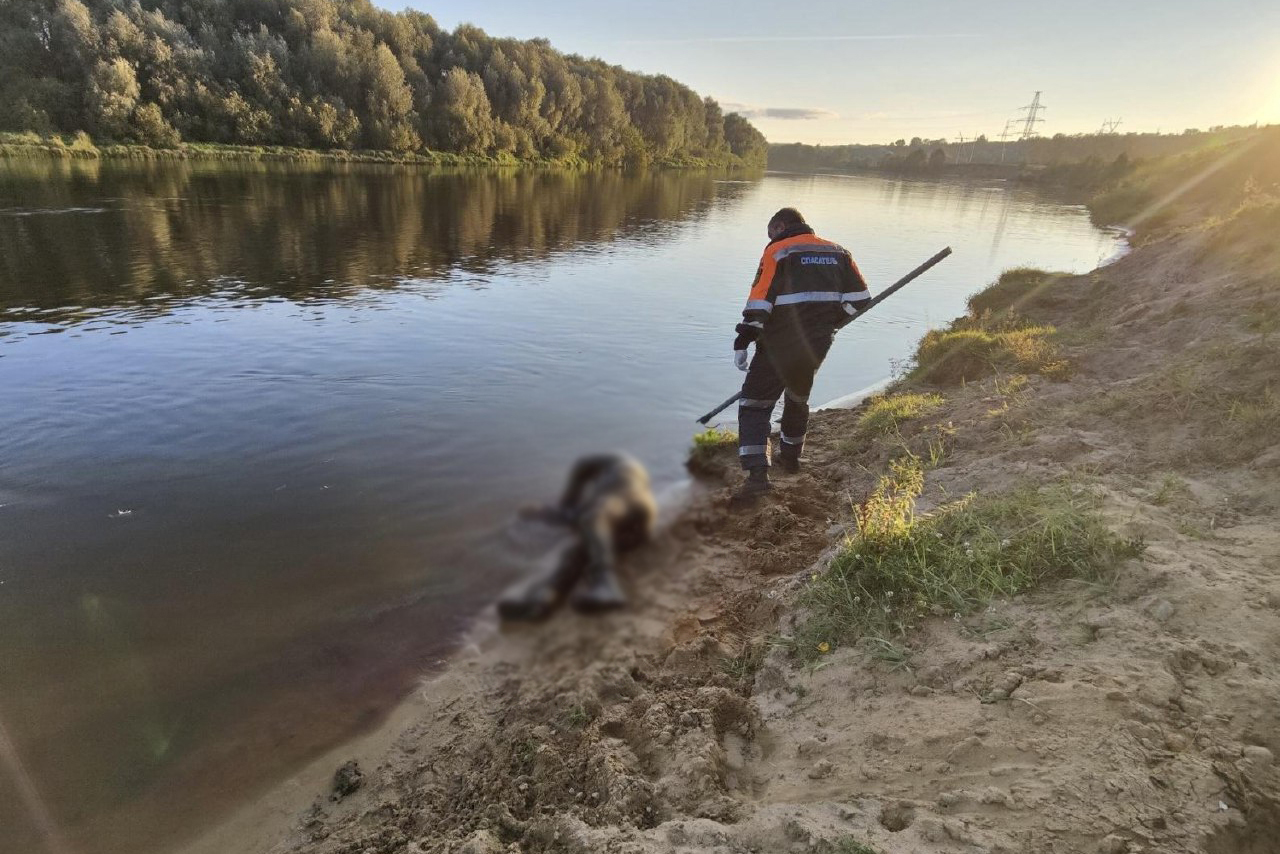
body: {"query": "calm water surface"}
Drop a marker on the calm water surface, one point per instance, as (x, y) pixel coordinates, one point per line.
(262, 428)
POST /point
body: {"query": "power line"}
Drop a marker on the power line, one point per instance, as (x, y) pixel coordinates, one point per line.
(1109, 126)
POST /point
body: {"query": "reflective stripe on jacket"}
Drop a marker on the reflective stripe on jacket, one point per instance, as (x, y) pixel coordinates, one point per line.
(801, 269)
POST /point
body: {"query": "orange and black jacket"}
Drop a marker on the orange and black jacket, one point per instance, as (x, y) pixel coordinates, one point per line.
(803, 285)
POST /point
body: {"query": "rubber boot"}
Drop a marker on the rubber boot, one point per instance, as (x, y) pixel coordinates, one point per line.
(756, 484)
(788, 458)
(599, 590)
(541, 597)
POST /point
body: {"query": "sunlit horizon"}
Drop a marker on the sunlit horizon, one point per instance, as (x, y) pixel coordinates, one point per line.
(936, 70)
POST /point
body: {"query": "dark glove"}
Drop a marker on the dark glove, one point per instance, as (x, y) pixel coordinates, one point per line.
(747, 334)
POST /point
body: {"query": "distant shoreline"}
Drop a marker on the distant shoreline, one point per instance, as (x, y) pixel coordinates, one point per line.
(32, 146)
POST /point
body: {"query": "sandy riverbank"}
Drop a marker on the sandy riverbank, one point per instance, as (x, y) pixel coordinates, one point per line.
(1131, 705)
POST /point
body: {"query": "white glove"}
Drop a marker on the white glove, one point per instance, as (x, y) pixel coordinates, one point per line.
(740, 359)
(849, 308)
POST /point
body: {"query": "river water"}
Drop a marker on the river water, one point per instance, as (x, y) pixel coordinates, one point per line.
(262, 428)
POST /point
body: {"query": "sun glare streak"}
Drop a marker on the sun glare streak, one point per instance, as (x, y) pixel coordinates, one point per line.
(1190, 184)
(30, 795)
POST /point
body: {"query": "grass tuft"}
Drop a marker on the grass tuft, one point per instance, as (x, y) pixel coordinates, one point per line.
(1254, 418)
(742, 667)
(885, 411)
(714, 453)
(899, 568)
(714, 438)
(1014, 289)
(972, 347)
(576, 718)
(1172, 488)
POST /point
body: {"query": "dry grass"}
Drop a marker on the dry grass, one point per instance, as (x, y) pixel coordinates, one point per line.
(996, 336)
(1216, 405)
(899, 568)
(885, 412)
(974, 347)
(1015, 291)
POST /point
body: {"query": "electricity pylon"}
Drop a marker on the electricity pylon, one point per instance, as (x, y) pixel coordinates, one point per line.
(1033, 110)
(1004, 136)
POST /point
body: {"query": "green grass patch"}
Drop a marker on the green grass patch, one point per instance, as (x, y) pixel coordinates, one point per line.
(26, 144)
(898, 568)
(713, 449)
(1012, 291)
(712, 441)
(845, 845)
(51, 146)
(79, 145)
(973, 347)
(885, 411)
(575, 718)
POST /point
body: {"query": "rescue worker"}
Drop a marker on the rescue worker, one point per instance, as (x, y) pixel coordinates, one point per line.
(609, 504)
(805, 289)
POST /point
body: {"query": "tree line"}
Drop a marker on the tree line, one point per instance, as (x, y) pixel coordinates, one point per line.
(1111, 152)
(340, 74)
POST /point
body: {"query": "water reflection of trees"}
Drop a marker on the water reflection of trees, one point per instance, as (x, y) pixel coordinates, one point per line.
(76, 238)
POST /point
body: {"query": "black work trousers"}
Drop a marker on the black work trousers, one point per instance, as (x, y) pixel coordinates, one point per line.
(779, 369)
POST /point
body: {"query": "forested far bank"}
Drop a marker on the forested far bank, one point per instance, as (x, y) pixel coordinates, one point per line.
(1085, 160)
(340, 75)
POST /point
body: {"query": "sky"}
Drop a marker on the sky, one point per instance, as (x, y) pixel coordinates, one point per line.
(872, 71)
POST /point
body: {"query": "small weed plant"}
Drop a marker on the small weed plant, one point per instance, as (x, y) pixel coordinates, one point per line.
(742, 667)
(575, 718)
(1254, 417)
(1172, 488)
(899, 567)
